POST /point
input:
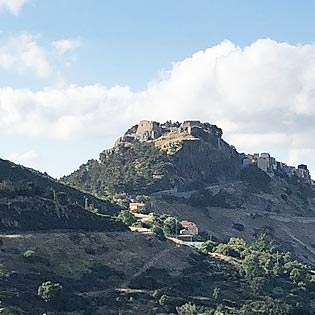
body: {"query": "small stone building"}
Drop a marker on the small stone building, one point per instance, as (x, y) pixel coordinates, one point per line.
(189, 228)
(136, 206)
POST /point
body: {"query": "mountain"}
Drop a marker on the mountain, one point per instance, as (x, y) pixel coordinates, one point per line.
(64, 251)
(30, 200)
(189, 171)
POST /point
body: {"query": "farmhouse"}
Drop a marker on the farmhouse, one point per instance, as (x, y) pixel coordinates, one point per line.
(136, 206)
(189, 228)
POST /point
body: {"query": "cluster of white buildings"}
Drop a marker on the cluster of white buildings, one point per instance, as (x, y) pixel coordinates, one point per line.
(269, 164)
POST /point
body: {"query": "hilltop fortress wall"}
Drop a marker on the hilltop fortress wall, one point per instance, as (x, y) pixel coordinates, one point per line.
(148, 130)
(151, 130)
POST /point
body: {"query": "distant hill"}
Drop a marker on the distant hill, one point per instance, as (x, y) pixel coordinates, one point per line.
(30, 200)
(187, 170)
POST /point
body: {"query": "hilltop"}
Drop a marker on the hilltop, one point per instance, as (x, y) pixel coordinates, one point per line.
(152, 157)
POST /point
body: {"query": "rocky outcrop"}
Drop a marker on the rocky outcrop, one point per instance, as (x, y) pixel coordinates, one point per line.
(153, 156)
(198, 152)
(207, 161)
(152, 130)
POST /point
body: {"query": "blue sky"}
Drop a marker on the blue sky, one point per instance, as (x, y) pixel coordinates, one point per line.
(135, 45)
(128, 42)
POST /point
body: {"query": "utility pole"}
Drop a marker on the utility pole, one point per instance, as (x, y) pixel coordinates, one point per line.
(9, 204)
(176, 222)
(86, 202)
(54, 194)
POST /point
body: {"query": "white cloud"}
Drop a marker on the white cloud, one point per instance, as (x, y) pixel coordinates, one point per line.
(263, 95)
(24, 54)
(14, 6)
(65, 45)
(23, 157)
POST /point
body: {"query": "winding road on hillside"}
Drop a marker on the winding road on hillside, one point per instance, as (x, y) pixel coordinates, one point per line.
(284, 219)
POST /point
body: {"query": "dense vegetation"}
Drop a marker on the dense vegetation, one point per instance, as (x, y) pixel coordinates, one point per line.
(274, 282)
(133, 169)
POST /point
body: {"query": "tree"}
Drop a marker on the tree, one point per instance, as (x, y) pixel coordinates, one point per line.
(254, 272)
(187, 309)
(207, 246)
(50, 292)
(126, 217)
(216, 293)
(170, 303)
(30, 256)
(267, 307)
(159, 233)
(62, 198)
(171, 226)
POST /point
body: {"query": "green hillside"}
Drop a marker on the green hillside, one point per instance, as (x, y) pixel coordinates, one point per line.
(30, 200)
(127, 273)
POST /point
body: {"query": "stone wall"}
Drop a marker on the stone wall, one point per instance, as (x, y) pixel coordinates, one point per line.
(148, 130)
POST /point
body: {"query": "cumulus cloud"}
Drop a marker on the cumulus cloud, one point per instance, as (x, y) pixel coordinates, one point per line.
(65, 45)
(23, 157)
(14, 6)
(23, 54)
(262, 95)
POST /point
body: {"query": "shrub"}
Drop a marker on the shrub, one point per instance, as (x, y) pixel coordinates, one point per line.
(207, 246)
(126, 217)
(216, 293)
(170, 303)
(268, 307)
(62, 198)
(50, 292)
(29, 255)
(157, 294)
(159, 233)
(171, 226)
(187, 309)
